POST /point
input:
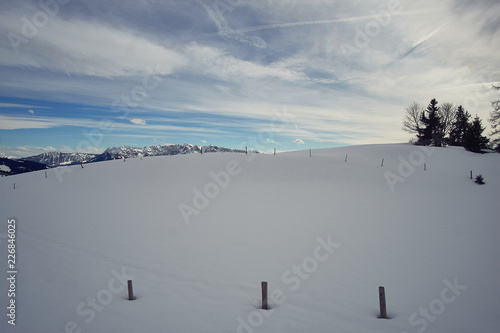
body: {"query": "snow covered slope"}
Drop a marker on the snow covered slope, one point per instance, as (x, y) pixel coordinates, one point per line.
(198, 233)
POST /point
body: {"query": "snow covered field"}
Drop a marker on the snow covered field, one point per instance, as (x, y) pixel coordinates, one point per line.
(198, 233)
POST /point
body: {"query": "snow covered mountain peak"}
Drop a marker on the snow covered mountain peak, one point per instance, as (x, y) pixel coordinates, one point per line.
(54, 159)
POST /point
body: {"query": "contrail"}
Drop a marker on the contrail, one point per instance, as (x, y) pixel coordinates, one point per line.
(69, 75)
(422, 40)
(227, 31)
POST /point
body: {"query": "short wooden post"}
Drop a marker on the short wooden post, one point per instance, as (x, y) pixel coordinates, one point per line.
(383, 308)
(274, 151)
(130, 291)
(345, 158)
(45, 174)
(81, 164)
(425, 166)
(310, 153)
(14, 186)
(265, 305)
(471, 174)
(382, 162)
(246, 150)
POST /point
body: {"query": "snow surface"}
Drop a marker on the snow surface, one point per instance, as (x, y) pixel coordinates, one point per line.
(4, 168)
(431, 240)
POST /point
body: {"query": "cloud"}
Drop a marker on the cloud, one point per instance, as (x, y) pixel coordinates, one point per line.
(16, 105)
(225, 31)
(31, 111)
(271, 141)
(23, 151)
(203, 141)
(14, 122)
(138, 121)
(88, 48)
(214, 62)
(298, 141)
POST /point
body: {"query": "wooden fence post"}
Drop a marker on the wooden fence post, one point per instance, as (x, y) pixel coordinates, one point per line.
(265, 305)
(471, 174)
(130, 291)
(345, 158)
(382, 162)
(383, 308)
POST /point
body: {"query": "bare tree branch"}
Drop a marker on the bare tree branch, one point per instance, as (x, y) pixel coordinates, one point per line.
(411, 121)
(447, 114)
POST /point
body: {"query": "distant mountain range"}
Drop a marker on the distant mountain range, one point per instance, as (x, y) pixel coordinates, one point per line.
(55, 159)
(159, 150)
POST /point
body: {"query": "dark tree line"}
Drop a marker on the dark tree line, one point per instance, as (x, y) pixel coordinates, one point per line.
(444, 125)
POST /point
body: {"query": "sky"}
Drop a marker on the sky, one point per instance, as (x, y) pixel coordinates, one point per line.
(81, 76)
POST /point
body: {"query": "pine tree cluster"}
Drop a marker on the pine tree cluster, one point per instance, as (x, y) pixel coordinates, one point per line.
(445, 125)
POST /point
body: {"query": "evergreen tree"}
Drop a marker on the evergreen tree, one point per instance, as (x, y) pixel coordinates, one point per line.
(495, 122)
(432, 132)
(473, 139)
(424, 133)
(459, 127)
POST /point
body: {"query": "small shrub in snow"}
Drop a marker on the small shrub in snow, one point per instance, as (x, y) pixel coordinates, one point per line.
(479, 180)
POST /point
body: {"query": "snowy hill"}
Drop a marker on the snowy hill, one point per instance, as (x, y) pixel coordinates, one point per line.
(198, 233)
